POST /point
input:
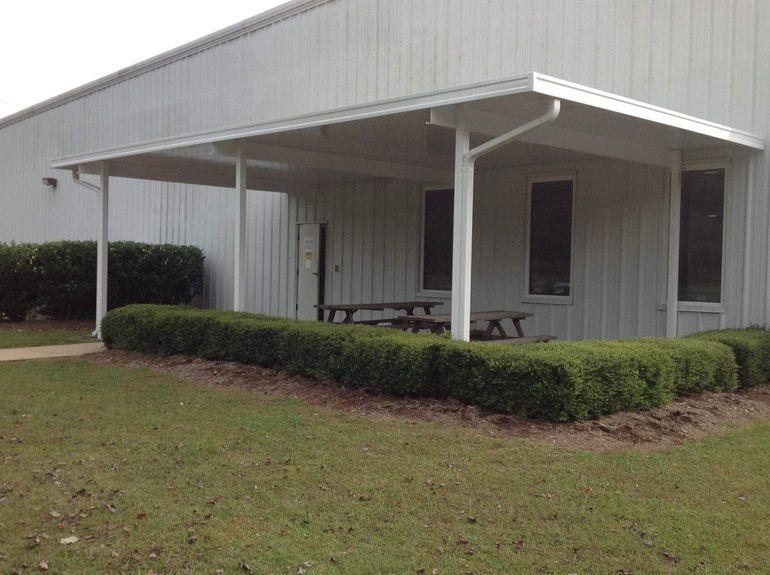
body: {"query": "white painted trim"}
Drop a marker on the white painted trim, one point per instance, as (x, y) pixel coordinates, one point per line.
(421, 290)
(531, 82)
(539, 298)
(695, 307)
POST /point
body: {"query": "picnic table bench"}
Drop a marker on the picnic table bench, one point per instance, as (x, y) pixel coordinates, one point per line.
(440, 322)
(350, 310)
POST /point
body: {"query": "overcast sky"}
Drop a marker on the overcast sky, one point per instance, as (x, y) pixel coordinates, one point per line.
(48, 47)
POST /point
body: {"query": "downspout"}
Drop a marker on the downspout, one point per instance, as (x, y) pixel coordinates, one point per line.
(79, 182)
(554, 107)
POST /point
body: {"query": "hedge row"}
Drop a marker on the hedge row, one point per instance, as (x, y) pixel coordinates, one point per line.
(751, 347)
(557, 381)
(58, 279)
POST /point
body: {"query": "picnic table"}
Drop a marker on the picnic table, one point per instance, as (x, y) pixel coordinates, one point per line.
(350, 310)
(439, 323)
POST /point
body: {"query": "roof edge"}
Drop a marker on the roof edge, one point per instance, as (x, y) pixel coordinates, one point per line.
(530, 82)
(559, 88)
(424, 101)
(262, 20)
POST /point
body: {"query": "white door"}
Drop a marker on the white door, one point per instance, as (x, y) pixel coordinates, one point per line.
(310, 270)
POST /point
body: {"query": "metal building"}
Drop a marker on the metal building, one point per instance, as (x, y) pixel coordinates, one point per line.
(600, 164)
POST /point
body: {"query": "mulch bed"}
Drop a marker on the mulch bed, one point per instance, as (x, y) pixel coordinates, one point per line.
(685, 419)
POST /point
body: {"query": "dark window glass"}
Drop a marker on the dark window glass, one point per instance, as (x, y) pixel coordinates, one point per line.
(550, 238)
(437, 243)
(700, 236)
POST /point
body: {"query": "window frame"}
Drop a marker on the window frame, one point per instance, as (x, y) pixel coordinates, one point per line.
(539, 298)
(421, 290)
(712, 307)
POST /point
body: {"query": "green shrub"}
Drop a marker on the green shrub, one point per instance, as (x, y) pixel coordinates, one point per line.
(58, 279)
(16, 279)
(751, 348)
(557, 381)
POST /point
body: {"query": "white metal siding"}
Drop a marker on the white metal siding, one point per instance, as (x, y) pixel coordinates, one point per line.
(620, 249)
(709, 58)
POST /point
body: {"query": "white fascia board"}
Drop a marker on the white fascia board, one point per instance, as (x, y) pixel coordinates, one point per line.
(481, 91)
(558, 88)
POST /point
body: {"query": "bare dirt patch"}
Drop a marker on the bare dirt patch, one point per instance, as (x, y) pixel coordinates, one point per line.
(685, 419)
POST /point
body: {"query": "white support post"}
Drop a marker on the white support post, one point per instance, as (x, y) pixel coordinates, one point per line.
(462, 233)
(102, 247)
(674, 222)
(239, 256)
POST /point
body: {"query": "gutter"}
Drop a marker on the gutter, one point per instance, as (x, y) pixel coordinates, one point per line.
(86, 185)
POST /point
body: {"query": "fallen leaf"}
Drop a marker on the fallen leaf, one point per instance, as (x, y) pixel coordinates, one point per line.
(245, 567)
(68, 540)
(43, 566)
(670, 556)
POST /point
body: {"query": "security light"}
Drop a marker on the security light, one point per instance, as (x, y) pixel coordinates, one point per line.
(50, 182)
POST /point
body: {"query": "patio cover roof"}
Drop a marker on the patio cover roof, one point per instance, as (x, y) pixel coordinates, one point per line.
(408, 138)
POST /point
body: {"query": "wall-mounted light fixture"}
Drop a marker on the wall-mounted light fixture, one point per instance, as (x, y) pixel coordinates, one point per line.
(50, 182)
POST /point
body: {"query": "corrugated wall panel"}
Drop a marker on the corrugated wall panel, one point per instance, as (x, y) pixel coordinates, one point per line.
(374, 238)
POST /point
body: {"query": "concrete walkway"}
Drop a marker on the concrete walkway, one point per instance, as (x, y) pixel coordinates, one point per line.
(46, 351)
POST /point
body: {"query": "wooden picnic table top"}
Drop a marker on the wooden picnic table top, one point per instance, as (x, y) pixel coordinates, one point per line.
(496, 315)
(397, 305)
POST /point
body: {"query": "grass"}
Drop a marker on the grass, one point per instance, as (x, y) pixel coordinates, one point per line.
(153, 473)
(17, 335)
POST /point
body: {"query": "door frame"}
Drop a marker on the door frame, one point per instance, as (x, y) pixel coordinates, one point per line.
(321, 266)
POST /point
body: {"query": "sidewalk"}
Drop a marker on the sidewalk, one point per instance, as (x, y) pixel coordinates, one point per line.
(46, 351)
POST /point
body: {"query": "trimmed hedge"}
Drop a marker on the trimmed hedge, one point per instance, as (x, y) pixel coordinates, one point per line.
(58, 279)
(557, 381)
(751, 347)
(16, 275)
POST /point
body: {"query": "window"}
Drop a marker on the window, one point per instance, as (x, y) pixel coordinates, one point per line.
(549, 266)
(438, 213)
(700, 235)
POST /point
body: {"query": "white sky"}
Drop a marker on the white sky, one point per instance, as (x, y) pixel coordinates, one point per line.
(48, 47)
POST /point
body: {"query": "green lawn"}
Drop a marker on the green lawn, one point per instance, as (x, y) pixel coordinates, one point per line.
(19, 335)
(153, 473)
